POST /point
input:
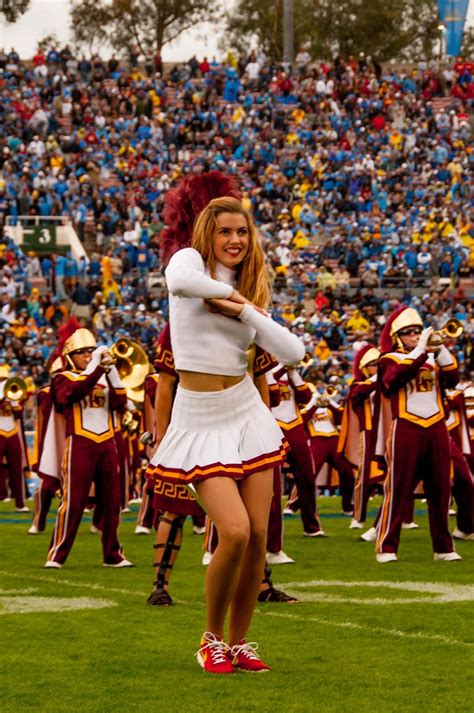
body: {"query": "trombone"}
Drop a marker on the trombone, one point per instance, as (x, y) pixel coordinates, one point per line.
(452, 329)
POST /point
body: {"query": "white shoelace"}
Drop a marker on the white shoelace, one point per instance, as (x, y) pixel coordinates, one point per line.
(217, 648)
(249, 650)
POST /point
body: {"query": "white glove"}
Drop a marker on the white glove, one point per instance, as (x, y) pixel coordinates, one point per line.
(96, 359)
(114, 378)
(424, 337)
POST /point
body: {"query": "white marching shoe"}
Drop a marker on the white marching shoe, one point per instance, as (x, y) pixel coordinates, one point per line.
(25, 508)
(319, 533)
(51, 564)
(206, 558)
(410, 526)
(369, 536)
(446, 556)
(140, 530)
(34, 530)
(119, 565)
(278, 558)
(289, 511)
(460, 535)
(94, 530)
(199, 530)
(384, 557)
(356, 525)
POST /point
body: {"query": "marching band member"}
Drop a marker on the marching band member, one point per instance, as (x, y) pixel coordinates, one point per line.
(146, 513)
(323, 416)
(172, 501)
(294, 394)
(49, 443)
(222, 439)
(359, 424)
(12, 441)
(412, 375)
(87, 392)
(463, 485)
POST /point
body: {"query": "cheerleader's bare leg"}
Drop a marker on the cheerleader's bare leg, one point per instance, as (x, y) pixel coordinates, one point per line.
(256, 492)
(223, 502)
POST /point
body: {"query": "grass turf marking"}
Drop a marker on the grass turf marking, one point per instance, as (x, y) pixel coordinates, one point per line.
(373, 629)
(446, 593)
(89, 585)
(40, 605)
(69, 583)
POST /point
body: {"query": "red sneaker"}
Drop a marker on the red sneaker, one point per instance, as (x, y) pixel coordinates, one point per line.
(244, 657)
(213, 654)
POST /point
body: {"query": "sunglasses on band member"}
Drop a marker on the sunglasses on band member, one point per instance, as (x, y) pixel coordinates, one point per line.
(409, 331)
(86, 350)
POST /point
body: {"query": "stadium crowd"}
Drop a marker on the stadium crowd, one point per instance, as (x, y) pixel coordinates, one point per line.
(358, 177)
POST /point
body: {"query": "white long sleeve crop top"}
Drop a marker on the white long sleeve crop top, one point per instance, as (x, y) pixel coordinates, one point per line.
(212, 343)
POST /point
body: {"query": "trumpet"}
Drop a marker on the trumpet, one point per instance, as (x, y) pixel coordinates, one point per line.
(452, 329)
(15, 389)
(327, 395)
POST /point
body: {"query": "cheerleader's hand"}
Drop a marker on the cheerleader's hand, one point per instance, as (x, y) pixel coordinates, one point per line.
(229, 308)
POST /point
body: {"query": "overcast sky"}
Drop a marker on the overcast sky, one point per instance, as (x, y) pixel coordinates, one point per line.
(52, 16)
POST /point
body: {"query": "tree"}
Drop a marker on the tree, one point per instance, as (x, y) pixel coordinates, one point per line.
(404, 29)
(13, 9)
(146, 24)
(259, 23)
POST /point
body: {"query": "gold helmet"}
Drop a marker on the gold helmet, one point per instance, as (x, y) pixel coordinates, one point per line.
(80, 339)
(370, 355)
(408, 318)
(4, 371)
(56, 366)
(401, 319)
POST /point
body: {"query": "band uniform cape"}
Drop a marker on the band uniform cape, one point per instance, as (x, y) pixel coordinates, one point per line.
(353, 423)
(457, 422)
(50, 436)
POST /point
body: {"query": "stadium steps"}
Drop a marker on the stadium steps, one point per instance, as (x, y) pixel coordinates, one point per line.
(440, 103)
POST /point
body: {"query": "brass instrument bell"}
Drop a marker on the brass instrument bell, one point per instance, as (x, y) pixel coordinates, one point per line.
(132, 365)
(452, 329)
(15, 389)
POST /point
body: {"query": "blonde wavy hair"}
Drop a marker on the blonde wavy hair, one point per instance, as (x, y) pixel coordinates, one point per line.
(252, 277)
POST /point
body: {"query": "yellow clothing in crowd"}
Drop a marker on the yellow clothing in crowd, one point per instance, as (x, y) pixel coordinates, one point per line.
(357, 323)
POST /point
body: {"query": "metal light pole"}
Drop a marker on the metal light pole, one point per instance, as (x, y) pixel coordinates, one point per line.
(288, 31)
(442, 30)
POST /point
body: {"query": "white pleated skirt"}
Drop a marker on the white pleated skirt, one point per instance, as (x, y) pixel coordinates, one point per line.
(218, 433)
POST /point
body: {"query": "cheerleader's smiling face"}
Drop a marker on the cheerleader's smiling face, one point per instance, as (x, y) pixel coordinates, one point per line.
(231, 239)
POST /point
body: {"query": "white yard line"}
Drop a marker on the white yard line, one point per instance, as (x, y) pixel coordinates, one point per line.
(87, 585)
(440, 593)
(41, 605)
(70, 583)
(372, 629)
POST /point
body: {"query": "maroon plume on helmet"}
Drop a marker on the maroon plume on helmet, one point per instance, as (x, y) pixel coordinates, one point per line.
(183, 205)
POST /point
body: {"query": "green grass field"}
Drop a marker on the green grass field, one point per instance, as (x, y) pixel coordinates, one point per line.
(347, 646)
